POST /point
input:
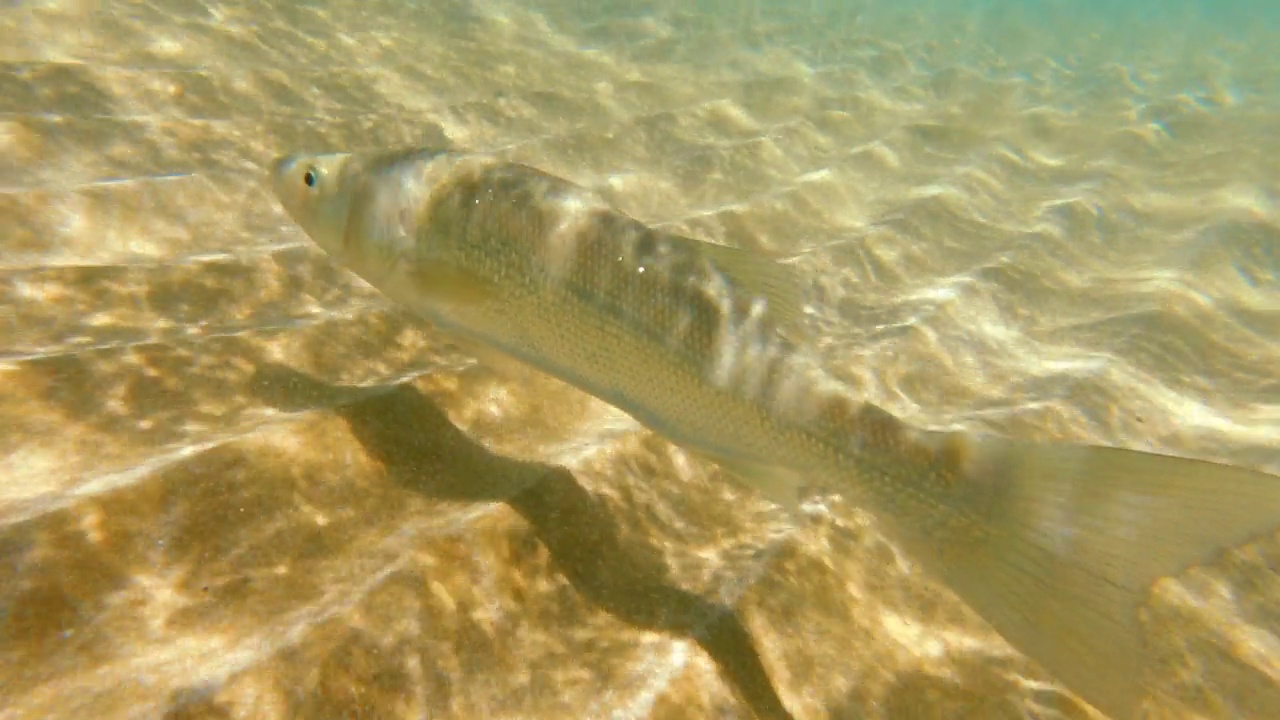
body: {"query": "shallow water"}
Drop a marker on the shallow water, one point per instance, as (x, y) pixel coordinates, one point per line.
(235, 482)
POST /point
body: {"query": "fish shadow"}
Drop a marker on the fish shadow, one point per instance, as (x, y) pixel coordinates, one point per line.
(425, 453)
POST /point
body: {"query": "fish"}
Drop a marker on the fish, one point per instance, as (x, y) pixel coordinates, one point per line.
(1057, 546)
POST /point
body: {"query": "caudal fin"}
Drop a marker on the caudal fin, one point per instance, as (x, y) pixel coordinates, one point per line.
(1078, 535)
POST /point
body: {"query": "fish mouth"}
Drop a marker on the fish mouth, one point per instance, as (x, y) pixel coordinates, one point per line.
(281, 168)
(282, 164)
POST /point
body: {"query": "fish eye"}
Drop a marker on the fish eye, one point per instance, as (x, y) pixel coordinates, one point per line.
(310, 177)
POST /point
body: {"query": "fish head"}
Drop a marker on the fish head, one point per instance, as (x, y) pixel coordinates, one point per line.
(366, 212)
(314, 190)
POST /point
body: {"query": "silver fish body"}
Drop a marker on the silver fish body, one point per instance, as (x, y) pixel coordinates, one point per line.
(1056, 545)
(544, 271)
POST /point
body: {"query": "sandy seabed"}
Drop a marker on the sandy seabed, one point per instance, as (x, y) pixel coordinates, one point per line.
(234, 482)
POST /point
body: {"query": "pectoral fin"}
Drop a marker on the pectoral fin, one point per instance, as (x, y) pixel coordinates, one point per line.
(442, 283)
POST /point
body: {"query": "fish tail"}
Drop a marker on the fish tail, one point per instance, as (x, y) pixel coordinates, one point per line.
(1075, 536)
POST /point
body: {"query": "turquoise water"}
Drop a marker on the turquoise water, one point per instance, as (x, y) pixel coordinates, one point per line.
(1185, 41)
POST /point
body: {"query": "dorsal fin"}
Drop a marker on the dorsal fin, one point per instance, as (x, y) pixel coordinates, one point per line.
(760, 274)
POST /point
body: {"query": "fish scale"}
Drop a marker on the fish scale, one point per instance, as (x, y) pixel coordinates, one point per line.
(1056, 545)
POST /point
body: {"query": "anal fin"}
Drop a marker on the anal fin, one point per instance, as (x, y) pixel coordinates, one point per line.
(780, 485)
